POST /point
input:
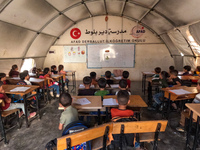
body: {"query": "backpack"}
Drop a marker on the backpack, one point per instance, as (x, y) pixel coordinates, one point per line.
(122, 141)
(73, 127)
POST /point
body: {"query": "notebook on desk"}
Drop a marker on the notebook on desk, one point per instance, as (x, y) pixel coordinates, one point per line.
(20, 89)
(110, 102)
(180, 92)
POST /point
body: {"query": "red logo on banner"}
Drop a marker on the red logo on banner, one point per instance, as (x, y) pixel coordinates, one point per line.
(137, 31)
(75, 33)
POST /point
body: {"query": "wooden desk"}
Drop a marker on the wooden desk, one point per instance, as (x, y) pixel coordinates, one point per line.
(73, 75)
(195, 114)
(7, 89)
(60, 79)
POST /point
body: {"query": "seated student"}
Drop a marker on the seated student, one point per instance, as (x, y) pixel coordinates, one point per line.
(54, 69)
(123, 86)
(70, 114)
(125, 75)
(7, 105)
(108, 76)
(61, 71)
(13, 72)
(52, 84)
(93, 75)
(87, 91)
(157, 70)
(123, 100)
(163, 82)
(186, 70)
(186, 111)
(171, 68)
(3, 78)
(174, 80)
(197, 71)
(102, 85)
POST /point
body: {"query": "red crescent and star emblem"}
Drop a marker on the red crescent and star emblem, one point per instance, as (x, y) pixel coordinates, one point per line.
(75, 33)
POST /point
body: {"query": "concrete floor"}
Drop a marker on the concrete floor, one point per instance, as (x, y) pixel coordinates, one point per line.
(42, 131)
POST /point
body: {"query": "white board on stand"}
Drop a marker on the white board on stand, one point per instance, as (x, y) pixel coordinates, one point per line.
(111, 55)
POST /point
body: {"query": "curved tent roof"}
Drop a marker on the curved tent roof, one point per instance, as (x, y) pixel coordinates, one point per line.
(28, 28)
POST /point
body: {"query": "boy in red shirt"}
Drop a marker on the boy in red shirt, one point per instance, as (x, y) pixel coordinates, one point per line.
(123, 101)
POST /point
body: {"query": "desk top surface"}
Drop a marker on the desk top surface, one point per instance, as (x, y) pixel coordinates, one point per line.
(7, 89)
(135, 100)
(189, 77)
(194, 107)
(193, 90)
(96, 102)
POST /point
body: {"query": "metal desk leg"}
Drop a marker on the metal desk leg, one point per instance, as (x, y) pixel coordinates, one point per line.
(142, 82)
(106, 114)
(145, 76)
(168, 107)
(26, 111)
(3, 133)
(99, 117)
(74, 81)
(149, 94)
(196, 134)
(37, 104)
(62, 84)
(189, 129)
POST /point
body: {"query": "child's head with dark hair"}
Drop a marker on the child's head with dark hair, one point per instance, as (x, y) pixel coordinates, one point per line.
(125, 74)
(171, 68)
(164, 75)
(34, 70)
(46, 71)
(157, 70)
(102, 82)
(2, 76)
(1, 87)
(24, 75)
(65, 99)
(87, 80)
(173, 74)
(123, 84)
(123, 97)
(198, 68)
(14, 67)
(108, 74)
(187, 68)
(93, 75)
(60, 67)
(53, 67)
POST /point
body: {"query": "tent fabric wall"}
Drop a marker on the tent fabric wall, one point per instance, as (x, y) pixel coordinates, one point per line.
(195, 31)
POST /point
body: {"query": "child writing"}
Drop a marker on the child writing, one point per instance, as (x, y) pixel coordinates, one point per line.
(123, 86)
(102, 85)
(7, 105)
(70, 114)
(61, 71)
(125, 75)
(46, 75)
(108, 76)
(87, 91)
(14, 71)
(93, 76)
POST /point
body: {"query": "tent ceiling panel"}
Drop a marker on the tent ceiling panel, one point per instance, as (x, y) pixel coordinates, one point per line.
(6, 64)
(14, 40)
(63, 4)
(180, 42)
(134, 11)
(28, 13)
(170, 44)
(181, 12)
(96, 7)
(57, 26)
(157, 23)
(115, 7)
(77, 13)
(148, 3)
(40, 46)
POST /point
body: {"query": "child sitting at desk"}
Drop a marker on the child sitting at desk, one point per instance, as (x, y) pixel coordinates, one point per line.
(3, 78)
(102, 85)
(174, 80)
(70, 114)
(54, 69)
(157, 71)
(171, 68)
(125, 75)
(108, 76)
(87, 91)
(61, 71)
(51, 84)
(7, 105)
(93, 75)
(186, 70)
(14, 71)
(123, 86)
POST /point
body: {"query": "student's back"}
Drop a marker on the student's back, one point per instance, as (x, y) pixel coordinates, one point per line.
(14, 71)
(87, 91)
(108, 76)
(102, 84)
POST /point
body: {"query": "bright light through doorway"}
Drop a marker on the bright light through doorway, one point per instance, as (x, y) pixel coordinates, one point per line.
(28, 64)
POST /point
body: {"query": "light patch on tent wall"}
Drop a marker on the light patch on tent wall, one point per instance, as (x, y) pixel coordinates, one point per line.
(194, 45)
(182, 54)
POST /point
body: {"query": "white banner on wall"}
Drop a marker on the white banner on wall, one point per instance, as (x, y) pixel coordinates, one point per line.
(73, 54)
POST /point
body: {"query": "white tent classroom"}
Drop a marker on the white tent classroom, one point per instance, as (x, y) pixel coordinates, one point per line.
(53, 32)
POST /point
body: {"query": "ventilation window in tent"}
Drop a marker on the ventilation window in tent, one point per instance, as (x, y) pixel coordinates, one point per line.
(28, 64)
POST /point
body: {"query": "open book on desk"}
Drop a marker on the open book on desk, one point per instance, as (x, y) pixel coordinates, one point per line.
(20, 89)
(180, 92)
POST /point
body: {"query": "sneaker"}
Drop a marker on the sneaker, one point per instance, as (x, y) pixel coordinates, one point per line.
(57, 95)
(51, 93)
(180, 129)
(33, 105)
(32, 115)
